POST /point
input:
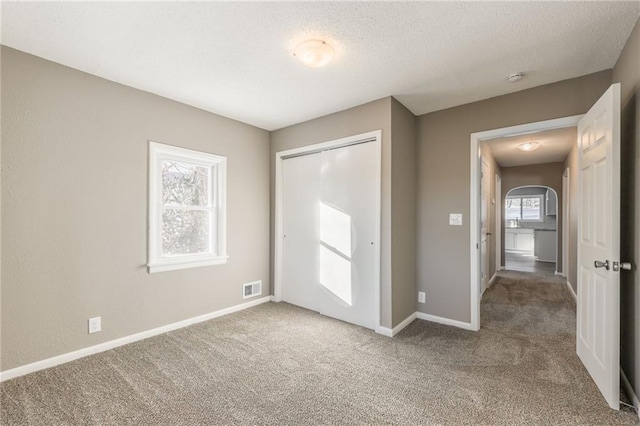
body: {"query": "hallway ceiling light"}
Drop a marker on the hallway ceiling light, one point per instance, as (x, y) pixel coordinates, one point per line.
(515, 77)
(528, 146)
(314, 53)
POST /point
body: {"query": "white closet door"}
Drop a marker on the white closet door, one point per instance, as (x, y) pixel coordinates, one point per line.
(331, 222)
(301, 217)
(348, 224)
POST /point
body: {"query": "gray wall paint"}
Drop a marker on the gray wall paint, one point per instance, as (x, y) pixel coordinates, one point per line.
(74, 182)
(364, 118)
(549, 174)
(404, 167)
(443, 179)
(532, 190)
(627, 72)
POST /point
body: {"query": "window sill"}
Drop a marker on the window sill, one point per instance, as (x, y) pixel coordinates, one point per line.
(162, 267)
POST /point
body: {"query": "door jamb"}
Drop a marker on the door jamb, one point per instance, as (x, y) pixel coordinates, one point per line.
(566, 182)
(474, 180)
(487, 262)
(280, 156)
(498, 225)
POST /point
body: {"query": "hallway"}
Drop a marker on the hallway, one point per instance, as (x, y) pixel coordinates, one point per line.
(527, 263)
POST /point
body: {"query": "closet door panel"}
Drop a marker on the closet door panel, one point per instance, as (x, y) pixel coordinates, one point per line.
(301, 218)
(348, 224)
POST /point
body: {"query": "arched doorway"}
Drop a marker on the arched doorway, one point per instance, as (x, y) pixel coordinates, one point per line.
(531, 229)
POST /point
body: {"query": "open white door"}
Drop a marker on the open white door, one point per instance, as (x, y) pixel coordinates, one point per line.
(598, 317)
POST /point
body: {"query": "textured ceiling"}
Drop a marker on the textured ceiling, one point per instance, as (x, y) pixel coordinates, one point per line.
(235, 58)
(554, 147)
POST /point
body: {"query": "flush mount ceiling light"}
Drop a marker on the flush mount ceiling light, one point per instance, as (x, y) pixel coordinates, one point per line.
(528, 146)
(314, 53)
(515, 77)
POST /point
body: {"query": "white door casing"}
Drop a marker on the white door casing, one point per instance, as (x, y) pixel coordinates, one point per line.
(484, 225)
(475, 283)
(498, 227)
(598, 306)
(565, 223)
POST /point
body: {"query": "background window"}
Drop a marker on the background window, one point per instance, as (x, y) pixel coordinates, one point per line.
(526, 208)
(186, 208)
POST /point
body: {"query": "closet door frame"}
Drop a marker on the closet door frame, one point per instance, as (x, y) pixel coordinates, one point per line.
(369, 137)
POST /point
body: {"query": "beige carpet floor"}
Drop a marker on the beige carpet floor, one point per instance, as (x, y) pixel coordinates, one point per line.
(277, 364)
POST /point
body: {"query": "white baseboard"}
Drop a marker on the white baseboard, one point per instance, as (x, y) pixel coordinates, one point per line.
(573, 293)
(445, 321)
(489, 284)
(632, 395)
(91, 350)
(559, 273)
(398, 328)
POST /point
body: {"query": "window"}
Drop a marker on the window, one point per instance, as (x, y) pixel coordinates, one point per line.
(187, 205)
(524, 208)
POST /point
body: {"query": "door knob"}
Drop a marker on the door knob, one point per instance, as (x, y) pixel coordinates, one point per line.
(599, 264)
(626, 266)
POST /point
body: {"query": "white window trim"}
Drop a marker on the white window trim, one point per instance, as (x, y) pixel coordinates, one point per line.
(540, 196)
(218, 164)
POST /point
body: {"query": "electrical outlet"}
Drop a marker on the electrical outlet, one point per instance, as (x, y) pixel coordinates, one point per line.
(95, 325)
(421, 296)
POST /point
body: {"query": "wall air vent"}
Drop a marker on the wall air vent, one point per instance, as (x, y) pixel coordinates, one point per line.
(251, 289)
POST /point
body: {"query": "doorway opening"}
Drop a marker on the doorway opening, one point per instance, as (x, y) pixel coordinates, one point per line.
(490, 146)
(596, 267)
(531, 230)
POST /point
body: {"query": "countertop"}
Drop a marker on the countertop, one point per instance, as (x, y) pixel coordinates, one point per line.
(533, 229)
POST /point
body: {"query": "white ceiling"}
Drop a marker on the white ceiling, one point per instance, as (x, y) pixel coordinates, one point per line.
(235, 58)
(554, 147)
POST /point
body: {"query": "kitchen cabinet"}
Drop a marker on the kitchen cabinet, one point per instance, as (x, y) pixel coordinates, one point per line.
(519, 240)
(545, 245)
(550, 203)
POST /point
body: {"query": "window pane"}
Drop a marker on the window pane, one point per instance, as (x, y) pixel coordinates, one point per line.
(512, 210)
(185, 232)
(184, 184)
(531, 208)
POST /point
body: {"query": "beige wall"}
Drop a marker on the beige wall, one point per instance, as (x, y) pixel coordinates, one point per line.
(74, 182)
(494, 170)
(627, 73)
(364, 118)
(398, 228)
(443, 179)
(404, 166)
(550, 175)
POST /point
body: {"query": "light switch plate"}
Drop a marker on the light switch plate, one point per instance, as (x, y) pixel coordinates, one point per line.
(455, 219)
(95, 325)
(421, 297)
